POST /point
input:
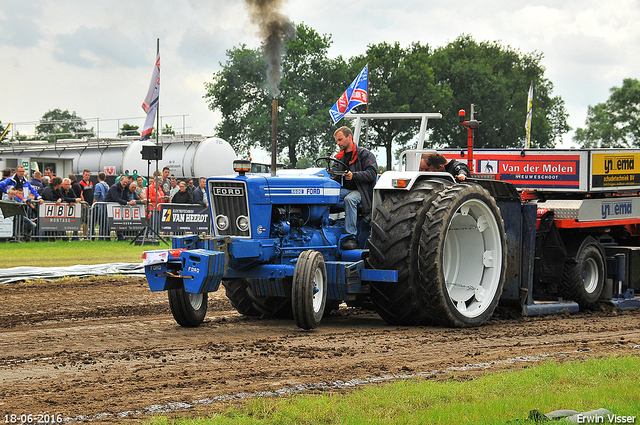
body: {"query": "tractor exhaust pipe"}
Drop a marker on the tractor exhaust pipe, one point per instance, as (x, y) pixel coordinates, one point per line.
(274, 135)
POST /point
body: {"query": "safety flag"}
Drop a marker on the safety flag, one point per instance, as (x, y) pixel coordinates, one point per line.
(355, 95)
(527, 124)
(150, 104)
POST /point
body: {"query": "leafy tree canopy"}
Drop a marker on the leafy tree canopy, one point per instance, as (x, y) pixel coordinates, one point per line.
(128, 130)
(616, 122)
(57, 124)
(310, 84)
(494, 77)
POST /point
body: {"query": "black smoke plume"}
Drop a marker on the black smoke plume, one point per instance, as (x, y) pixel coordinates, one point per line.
(275, 29)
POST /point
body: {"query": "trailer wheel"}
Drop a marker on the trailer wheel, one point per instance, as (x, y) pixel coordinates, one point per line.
(309, 289)
(583, 280)
(395, 231)
(236, 291)
(188, 309)
(462, 254)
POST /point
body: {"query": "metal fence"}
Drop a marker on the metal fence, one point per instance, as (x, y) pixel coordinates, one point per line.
(104, 220)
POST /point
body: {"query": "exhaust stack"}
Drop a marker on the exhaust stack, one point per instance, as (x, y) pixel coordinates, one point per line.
(274, 135)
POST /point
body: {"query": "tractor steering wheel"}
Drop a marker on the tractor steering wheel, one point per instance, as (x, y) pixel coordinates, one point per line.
(329, 159)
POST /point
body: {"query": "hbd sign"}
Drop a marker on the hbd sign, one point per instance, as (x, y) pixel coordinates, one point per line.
(60, 217)
(125, 217)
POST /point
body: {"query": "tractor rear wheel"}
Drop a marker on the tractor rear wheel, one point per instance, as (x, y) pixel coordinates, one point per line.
(463, 256)
(395, 232)
(236, 291)
(582, 281)
(271, 306)
(309, 289)
(188, 309)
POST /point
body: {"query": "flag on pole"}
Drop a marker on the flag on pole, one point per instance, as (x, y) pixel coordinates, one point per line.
(355, 95)
(527, 124)
(150, 104)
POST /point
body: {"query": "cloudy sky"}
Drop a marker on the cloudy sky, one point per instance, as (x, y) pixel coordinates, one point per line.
(96, 58)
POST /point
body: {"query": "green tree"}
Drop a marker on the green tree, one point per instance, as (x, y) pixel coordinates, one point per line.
(400, 80)
(310, 85)
(168, 130)
(496, 79)
(57, 124)
(128, 130)
(615, 123)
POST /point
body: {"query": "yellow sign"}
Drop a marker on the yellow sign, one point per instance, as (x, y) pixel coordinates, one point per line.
(614, 163)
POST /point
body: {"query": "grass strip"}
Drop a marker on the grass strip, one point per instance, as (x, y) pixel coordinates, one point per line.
(504, 397)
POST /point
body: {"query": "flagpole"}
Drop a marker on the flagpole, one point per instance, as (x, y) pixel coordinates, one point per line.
(152, 214)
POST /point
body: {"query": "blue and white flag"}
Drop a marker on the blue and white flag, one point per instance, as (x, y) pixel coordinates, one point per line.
(150, 104)
(355, 95)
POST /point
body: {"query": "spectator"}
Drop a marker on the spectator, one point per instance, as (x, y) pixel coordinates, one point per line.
(74, 185)
(101, 189)
(166, 184)
(135, 197)
(99, 211)
(156, 195)
(68, 194)
(6, 173)
(22, 224)
(174, 186)
(10, 196)
(87, 196)
(19, 182)
(200, 193)
(119, 192)
(182, 196)
(45, 182)
(190, 186)
(36, 182)
(51, 192)
(48, 173)
(141, 189)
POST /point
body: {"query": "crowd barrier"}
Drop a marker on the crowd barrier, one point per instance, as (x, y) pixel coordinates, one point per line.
(104, 220)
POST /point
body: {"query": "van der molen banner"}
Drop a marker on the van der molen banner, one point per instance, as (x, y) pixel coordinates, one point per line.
(184, 218)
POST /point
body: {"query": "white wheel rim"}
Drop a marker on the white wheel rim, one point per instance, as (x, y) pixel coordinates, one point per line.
(472, 258)
(195, 300)
(590, 275)
(318, 289)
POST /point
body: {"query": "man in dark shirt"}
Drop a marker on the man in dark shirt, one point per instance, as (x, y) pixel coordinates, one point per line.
(357, 181)
(437, 162)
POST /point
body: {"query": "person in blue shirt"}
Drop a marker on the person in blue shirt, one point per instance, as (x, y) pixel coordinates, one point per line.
(19, 182)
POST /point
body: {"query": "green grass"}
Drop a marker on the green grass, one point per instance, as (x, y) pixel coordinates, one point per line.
(69, 253)
(494, 398)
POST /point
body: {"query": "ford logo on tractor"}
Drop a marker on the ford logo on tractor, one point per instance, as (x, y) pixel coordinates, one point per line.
(228, 191)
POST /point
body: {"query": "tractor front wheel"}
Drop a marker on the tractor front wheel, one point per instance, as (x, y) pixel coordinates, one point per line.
(309, 289)
(188, 309)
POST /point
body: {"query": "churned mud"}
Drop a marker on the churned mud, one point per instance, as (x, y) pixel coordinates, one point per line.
(108, 350)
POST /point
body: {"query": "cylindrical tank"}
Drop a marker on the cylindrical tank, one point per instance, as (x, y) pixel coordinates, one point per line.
(190, 156)
(213, 156)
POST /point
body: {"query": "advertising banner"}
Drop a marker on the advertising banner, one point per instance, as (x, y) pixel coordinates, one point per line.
(559, 170)
(59, 217)
(125, 217)
(615, 169)
(176, 218)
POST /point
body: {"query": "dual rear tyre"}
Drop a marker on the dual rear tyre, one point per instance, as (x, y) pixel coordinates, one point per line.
(449, 246)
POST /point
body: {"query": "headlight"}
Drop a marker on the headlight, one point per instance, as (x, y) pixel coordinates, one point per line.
(222, 222)
(243, 223)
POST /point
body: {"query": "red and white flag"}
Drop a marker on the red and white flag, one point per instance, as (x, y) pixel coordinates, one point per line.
(150, 104)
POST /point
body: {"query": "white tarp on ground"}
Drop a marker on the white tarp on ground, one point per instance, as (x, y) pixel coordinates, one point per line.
(17, 274)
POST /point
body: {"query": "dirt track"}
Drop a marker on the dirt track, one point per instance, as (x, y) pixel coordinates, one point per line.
(107, 349)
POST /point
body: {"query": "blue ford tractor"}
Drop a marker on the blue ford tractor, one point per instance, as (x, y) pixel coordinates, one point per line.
(434, 251)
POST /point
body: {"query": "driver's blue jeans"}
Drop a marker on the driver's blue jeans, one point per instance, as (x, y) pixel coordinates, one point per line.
(351, 199)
